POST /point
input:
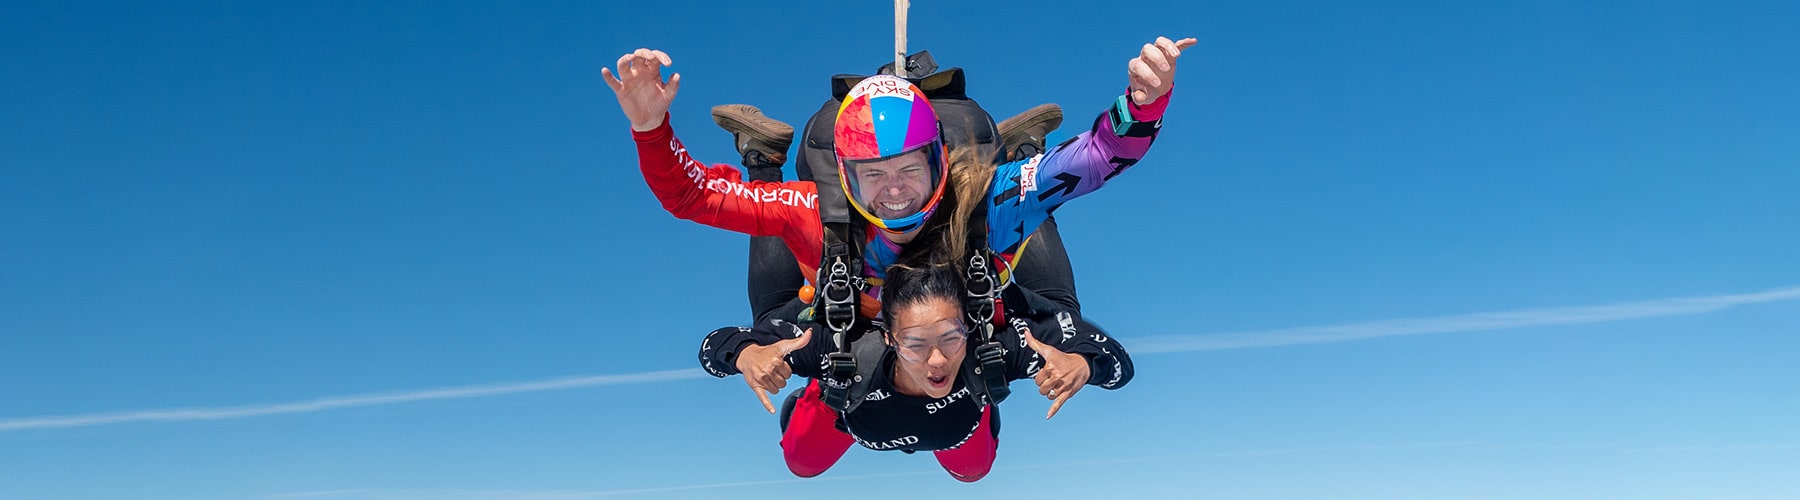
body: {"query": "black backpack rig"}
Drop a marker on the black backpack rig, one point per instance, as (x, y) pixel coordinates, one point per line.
(849, 370)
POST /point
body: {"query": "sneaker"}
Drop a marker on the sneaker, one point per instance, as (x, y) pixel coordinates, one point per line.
(1022, 136)
(762, 140)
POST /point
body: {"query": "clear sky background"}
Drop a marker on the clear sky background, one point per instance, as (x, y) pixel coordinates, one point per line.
(1382, 250)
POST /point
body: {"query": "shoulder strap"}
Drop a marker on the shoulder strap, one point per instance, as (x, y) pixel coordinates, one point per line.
(985, 372)
(835, 305)
(868, 350)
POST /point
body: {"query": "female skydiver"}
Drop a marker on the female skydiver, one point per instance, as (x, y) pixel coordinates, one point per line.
(916, 401)
(892, 162)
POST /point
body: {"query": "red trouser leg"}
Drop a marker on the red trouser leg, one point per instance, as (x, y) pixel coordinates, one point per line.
(972, 461)
(811, 444)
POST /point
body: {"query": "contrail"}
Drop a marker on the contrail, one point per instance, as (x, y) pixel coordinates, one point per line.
(331, 403)
(1138, 345)
(1449, 324)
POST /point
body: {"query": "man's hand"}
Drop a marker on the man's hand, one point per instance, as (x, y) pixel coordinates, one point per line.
(1152, 72)
(1061, 377)
(765, 367)
(642, 94)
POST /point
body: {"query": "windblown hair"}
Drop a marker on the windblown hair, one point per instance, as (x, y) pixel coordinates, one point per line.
(945, 238)
(971, 172)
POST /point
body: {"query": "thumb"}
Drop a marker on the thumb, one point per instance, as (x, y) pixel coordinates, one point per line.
(612, 82)
(1035, 344)
(673, 86)
(794, 344)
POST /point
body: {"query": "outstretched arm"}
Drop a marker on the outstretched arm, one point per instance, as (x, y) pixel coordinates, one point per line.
(716, 196)
(1025, 192)
(640, 89)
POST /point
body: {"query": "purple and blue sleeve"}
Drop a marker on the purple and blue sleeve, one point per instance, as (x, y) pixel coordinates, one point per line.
(1025, 192)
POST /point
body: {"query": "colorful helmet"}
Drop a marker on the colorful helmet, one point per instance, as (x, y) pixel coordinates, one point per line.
(888, 143)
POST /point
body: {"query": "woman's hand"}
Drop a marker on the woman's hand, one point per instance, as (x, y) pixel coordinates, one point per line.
(1061, 377)
(765, 367)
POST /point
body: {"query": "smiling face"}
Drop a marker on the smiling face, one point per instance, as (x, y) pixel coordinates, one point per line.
(931, 342)
(894, 188)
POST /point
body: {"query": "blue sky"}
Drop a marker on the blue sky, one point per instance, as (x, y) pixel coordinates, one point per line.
(1381, 250)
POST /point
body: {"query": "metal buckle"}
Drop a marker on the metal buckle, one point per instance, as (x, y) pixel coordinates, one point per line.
(993, 371)
(839, 297)
(841, 368)
(979, 295)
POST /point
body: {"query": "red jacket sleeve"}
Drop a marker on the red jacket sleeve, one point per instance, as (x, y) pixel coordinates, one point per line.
(718, 196)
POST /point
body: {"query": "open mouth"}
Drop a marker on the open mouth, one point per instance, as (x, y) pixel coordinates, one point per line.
(938, 381)
(895, 207)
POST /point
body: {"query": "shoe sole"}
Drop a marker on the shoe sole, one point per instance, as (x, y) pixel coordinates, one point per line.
(1014, 128)
(741, 118)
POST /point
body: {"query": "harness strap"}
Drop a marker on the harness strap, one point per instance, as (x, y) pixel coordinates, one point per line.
(867, 351)
(981, 308)
(988, 377)
(836, 302)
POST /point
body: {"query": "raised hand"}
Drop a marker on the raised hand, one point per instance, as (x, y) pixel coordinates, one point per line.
(1152, 72)
(765, 367)
(1061, 377)
(640, 88)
